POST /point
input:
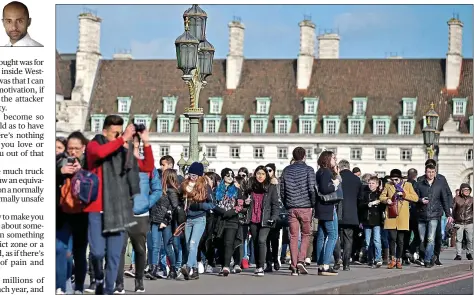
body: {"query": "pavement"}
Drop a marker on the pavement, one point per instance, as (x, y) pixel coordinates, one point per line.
(360, 280)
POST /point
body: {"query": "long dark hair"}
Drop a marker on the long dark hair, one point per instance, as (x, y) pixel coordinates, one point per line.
(169, 179)
(257, 187)
(324, 160)
(214, 177)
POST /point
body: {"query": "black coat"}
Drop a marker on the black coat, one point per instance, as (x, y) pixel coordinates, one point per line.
(324, 211)
(438, 199)
(371, 216)
(352, 189)
(161, 212)
(270, 207)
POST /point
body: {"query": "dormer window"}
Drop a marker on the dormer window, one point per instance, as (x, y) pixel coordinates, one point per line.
(123, 104)
(311, 105)
(283, 124)
(142, 120)
(169, 104)
(263, 105)
(409, 107)
(359, 105)
(459, 106)
(215, 105)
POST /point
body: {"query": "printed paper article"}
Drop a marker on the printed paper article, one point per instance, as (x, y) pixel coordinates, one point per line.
(26, 150)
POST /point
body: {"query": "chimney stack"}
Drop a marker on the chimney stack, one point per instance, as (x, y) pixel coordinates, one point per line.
(306, 55)
(454, 55)
(328, 46)
(235, 58)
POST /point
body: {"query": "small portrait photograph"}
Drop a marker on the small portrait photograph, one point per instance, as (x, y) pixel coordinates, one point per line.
(16, 19)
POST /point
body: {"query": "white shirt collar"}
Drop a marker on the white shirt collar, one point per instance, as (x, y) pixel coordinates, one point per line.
(25, 41)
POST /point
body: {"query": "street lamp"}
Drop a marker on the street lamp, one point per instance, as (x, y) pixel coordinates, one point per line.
(183, 164)
(430, 133)
(195, 56)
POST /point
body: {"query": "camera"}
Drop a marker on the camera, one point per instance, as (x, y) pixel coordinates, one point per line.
(139, 128)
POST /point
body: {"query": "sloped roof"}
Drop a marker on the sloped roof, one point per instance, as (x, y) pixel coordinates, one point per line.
(383, 81)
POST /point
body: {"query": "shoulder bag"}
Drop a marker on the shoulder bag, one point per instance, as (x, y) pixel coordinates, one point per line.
(329, 198)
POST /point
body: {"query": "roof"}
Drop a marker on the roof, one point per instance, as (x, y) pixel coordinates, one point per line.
(65, 76)
(335, 81)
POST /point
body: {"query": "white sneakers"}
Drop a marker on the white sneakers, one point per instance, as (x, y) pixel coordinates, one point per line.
(200, 268)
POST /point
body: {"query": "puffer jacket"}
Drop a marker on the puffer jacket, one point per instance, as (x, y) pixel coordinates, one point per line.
(438, 199)
(297, 186)
(462, 210)
(161, 212)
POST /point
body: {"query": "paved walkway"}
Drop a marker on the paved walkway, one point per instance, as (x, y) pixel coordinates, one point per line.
(282, 283)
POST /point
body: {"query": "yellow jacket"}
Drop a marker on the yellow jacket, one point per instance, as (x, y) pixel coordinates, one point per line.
(402, 221)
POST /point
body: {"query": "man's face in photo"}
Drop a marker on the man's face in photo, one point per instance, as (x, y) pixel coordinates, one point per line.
(16, 22)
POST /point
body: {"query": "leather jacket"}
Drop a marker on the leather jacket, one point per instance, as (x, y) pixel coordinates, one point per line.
(462, 210)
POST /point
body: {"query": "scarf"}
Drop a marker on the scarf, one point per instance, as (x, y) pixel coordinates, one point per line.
(226, 196)
(398, 189)
(120, 184)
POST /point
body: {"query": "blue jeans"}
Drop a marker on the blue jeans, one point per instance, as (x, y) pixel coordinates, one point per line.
(384, 238)
(153, 253)
(98, 244)
(193, 232)
(444, 221)
(373, 232)
(327, 237)
(429, 226)
(162, 242)
(61, 265)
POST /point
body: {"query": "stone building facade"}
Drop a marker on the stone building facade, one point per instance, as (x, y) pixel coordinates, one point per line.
(370, 112)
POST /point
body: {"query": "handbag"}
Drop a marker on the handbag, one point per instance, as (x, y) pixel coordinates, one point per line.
(393, 210)
(329, 198)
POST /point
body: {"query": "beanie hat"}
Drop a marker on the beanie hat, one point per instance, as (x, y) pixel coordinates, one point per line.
(226, 171)
(272, 166)
(465, 185)
(196, 168)
(395, 173)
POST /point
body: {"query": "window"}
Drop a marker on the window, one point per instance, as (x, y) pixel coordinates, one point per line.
(211, 152)
(355, 127)
(163, 126)
(405, 127)
(234, 152)
(380, 127)
(185, 127)
(258, 126)
(458, 108)
(123, 106)
(307, 126)
(356, 154)
(310, 107)
(380, 154)
(97, 125)
(309, 153)
(331, 149)
(359, 108)
(282, 153)
(215, 107)
(409, 108)
(168, 107)
(282, 126)
(234, 126)
(331, 127)
(258, 153)
(211, 126)
(164, 151)
(186, 151)
(380, 174)
(262, 107)
(405, 154)
(469, 155)
(140, 121)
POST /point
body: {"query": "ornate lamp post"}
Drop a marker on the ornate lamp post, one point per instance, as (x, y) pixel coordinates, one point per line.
(183, 164)
(430, 133)
(194, 56)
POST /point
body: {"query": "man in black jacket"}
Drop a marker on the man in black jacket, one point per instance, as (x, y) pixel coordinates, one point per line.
(433, 200)
(297, 189)
(348, 220)
(439, 237)
(412, 248)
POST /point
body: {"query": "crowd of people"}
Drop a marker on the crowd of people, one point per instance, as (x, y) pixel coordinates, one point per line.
(181, 226)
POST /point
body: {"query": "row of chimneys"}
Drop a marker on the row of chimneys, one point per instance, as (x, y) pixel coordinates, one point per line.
(328, 48)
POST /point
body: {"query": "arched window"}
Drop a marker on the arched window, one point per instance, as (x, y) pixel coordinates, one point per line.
(469, 155)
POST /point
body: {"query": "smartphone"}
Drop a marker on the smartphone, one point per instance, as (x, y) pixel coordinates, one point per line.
(71, 160)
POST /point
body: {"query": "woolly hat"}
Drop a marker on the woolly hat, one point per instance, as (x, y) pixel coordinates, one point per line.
(196, 168)
(396, 173)
(272, 166)
(465, 185)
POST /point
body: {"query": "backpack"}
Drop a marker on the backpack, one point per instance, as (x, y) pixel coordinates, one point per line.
(67, 202)
(85, 186)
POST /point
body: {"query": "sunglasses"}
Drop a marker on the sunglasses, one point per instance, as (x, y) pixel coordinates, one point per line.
(395, 179)
(193, 176)
(269, 170)
(242, 175)
(231, 175)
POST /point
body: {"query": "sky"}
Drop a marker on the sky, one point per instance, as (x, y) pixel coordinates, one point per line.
(272, 31)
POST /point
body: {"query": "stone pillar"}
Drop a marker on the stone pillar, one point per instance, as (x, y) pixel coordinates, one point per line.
(235, 58)
(306, 54)
(454, 55)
